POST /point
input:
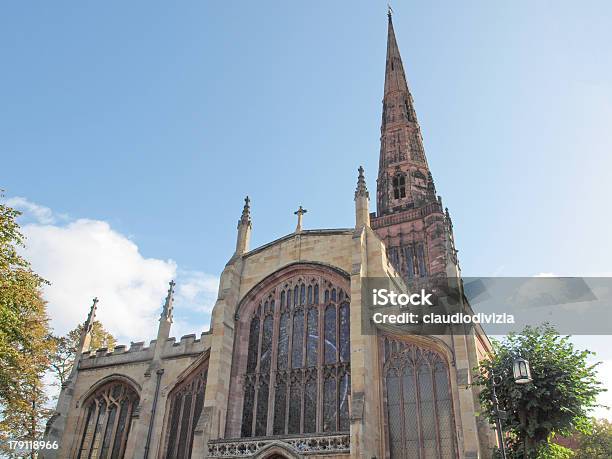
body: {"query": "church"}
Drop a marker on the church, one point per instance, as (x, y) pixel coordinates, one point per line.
(287, 369)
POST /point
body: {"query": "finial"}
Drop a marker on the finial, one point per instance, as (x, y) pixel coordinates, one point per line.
(300, 213)
(389, 11)
(362, 189)
(168, 305)
(246, 212)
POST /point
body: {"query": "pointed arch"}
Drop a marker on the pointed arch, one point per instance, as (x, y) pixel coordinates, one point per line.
(277, 450)
(418, 405)
(294, 267)
(107, 411)
(291, 363)
(113, 377)
(183, 409)
(193, 366)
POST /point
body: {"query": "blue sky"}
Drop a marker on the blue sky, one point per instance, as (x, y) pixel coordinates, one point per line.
(156, 118)
(159, 118)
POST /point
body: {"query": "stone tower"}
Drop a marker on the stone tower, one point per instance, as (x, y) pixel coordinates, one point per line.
(410, 218)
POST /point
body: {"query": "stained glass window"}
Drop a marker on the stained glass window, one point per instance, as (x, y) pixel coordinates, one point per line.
(266, 345)
(253, 345)
(417, 402)
(106, 422)
(329, 404)
(262, 408)
(312, 338)
(298, 337)
(330, 334)
(343, 394)
(310, 341)
(280, 406)
(310, 402)
(186, 403)
(344, 333)
(283, 342)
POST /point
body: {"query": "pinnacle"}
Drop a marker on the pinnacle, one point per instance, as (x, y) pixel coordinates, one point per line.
(362, 189)
(168, 305)
(245, 218)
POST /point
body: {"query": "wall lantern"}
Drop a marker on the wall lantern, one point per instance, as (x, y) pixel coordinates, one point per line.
(521, 371)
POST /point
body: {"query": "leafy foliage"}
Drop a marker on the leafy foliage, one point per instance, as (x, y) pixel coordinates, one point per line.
(563, 390)
(25, 344)
(62, 359)
(597, 443)
(554, 451)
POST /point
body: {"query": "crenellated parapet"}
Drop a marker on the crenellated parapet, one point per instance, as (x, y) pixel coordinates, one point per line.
(187, 346)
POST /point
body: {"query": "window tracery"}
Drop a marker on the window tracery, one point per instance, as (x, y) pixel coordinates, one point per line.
(108, 414)
(304, 388)
(185, 406)
(409, 259)
(418, 404)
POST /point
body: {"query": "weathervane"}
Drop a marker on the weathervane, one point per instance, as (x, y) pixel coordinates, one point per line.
(389, 10)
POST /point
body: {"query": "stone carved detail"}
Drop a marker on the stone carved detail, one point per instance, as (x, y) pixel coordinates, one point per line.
(311, 444)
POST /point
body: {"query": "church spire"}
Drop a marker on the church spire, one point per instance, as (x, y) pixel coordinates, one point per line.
(395, 78)
(408, 212)
(403, 171)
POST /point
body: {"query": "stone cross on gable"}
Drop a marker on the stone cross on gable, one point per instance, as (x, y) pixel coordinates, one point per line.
(300, 213)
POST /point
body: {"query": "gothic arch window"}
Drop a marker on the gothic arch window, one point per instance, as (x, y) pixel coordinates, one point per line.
(399, 186)
(185, 406)
(297, 372)
(418, 404)
(108, 414)
(414, 260)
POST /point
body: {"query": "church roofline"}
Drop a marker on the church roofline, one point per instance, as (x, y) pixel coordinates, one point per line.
(315, 232)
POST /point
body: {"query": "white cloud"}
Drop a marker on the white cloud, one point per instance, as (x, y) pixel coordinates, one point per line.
(198, 290)
(41, 214)
(85, 258)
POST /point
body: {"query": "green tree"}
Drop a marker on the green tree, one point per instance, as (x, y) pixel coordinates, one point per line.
(25, 344)
(62, 359)
(563, 390)
(554, 451)
(597, 443)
